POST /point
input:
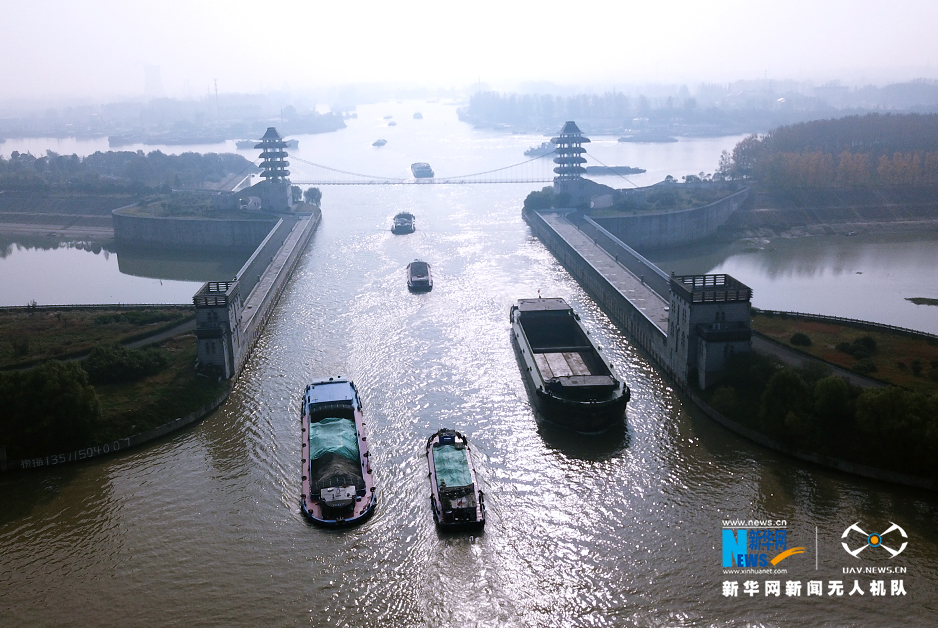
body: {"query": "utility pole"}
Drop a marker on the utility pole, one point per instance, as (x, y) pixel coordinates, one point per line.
(217, 110)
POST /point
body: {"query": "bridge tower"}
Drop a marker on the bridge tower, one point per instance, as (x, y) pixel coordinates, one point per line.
(274, 191)
(569, 158)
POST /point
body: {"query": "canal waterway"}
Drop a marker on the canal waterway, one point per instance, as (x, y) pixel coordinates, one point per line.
(203, 527)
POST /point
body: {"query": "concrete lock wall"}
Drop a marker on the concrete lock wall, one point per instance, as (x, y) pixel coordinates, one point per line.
(652, 231)
(615, 304)
(189, 232)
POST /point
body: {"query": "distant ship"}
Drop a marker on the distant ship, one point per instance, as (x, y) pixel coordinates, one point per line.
(613, 170)
(422, 170)
(418, 277)
(648, 138)
(545, 149)
(418, 116)
(379, 142)
(392, 123)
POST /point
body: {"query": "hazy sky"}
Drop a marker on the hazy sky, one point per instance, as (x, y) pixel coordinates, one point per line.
(99, 48)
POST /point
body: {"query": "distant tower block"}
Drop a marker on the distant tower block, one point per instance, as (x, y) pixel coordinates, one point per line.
(274, 156)
(569, 157)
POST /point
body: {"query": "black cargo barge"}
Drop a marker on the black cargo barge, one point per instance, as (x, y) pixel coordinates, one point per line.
(570, 381)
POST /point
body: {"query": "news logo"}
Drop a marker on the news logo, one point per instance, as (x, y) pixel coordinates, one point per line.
(862, 540)
(756, 544)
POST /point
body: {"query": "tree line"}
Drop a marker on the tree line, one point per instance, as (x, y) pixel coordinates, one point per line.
(55, 407)
(855, 151)
(117, 171)
(813, 411)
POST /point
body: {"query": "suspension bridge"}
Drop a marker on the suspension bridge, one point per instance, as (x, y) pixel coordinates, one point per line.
(534, 170)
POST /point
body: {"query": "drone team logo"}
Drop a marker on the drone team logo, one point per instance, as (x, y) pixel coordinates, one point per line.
(874, 540)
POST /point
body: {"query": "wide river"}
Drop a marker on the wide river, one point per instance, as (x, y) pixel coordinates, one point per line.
(203, 527)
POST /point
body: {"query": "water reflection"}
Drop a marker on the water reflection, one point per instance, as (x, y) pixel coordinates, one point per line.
(181, 265)
(832, 275)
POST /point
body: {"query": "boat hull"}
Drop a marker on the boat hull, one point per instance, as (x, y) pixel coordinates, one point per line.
(447, 513)
(363, 501)
(403, 223)
(597, 405)
(419, 277)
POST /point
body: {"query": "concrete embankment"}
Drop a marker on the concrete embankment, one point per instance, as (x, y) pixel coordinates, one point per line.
(278, 255)
(829, 211)
(275, 259)
(664, 229)
(627, 288)
(201, 233)
(625, 295)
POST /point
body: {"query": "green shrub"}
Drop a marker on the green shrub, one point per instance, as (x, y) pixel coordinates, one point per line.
(47, 409)
(864, 366)
(800, 340)
(114, 364)
(136, 317)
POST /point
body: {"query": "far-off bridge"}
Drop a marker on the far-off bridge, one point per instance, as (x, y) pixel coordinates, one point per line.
(534, 170)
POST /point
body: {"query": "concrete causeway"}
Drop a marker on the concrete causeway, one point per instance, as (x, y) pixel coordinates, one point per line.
(632, 287)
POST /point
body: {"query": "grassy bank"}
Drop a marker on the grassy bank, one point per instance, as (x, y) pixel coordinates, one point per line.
(174, 392)
(61, 406)
(32, 335)
(897, 358)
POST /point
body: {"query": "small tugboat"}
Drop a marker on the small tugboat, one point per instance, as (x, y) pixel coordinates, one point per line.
(338, 487)
(403, 223)
(418, 276)
(454, 492)
(422, 170)
(570, 380)
(379, 142)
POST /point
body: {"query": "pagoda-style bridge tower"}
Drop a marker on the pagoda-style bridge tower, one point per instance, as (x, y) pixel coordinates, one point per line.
(274, 192)
(274, 156)
(569, 157)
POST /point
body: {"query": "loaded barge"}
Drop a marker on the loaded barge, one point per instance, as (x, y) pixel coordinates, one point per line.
(338, 486)
(571, 382)
(455, 497)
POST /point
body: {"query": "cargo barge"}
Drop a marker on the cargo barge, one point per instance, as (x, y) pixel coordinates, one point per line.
(457, 502)
(571, 382)
(403, 223)
(419, 278)
(422, 170)
(337, 483)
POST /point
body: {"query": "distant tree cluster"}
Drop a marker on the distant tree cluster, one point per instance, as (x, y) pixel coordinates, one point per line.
(811, 410)
(875, 149)
(121, 171)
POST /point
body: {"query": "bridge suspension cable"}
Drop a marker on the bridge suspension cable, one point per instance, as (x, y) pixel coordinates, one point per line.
(458, 179)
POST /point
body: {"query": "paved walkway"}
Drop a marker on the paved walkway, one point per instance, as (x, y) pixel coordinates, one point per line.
(631, 286)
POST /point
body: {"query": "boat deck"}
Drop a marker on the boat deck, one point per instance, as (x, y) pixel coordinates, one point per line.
(561, 364)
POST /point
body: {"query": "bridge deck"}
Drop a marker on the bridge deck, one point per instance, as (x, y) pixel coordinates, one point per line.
(631, 286)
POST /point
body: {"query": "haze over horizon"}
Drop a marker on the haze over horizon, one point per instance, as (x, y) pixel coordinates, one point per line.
(107, 49)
